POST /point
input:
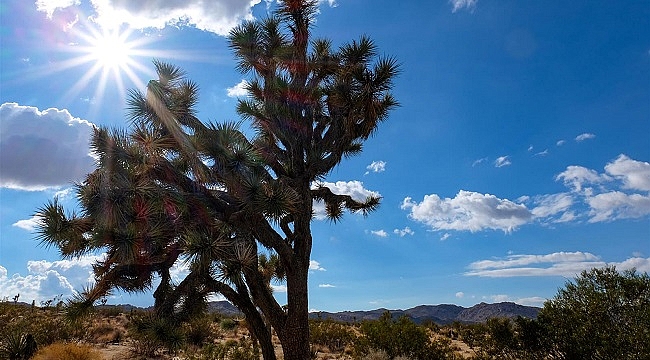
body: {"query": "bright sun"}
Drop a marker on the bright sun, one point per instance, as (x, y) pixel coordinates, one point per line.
(111, 58)
(111, 50)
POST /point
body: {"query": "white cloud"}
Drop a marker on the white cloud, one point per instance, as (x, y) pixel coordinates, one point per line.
(542, 153)
(403, 232)
(238, 90)
(214, 16)
(527, 301)
(331, 3)
(49, 6)
(551, 205)
(380, 233)
(560, 142)
(634, 174)
(42, 149)
(353, 188)
(460, 294)
(28, 224)
(585, 136)
(594, 196)
(566, 264)
(468, 211)
(531, 301)
(616, 205)
(326, 286)
(279, 288)
(530, 148)
(463, 4)
(499, 298)
(479, 161)
(46, 279)
(376, 167)
(502, 161)
(315, 265)
(578, 176)
(445, 236)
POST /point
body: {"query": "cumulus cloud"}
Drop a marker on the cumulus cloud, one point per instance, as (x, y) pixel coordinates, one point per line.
(49, 6)
(502, 161)
(617, 205)
(445, 236)
(634, 174)
(48, 279)
(621, 192)
(403, 232)
(460, 294)
(560, 142)
(469, 211)
(326, 286)
(218, 17)
(376, 167)
(238, 90)
(315, 265)
(578, 176)
(585, 136)
(566, 264)
(462, 4)
(42, 149)
(607, 202)
(380, 233)
(353, 188)
(27, 224)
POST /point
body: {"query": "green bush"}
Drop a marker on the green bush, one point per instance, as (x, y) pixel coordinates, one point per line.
(401, 338)
(151, 333)
(45, 325)
(228, 324)
(17, 346)
(334, 335)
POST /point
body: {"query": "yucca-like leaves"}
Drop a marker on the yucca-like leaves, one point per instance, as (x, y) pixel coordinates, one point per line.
(70, 235)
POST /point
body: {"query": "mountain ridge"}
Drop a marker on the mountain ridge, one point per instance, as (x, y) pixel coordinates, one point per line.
(441, 314)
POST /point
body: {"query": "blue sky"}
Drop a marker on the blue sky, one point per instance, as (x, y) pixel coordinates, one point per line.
(519, 155)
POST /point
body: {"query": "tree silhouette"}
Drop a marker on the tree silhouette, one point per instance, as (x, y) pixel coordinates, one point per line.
(237, 211)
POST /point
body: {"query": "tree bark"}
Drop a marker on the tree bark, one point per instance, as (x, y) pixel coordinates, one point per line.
(295, 335)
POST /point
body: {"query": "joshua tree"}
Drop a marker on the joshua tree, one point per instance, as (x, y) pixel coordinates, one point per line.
(237, 211)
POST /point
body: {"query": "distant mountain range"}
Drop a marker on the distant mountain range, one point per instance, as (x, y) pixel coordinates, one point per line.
(440, 314)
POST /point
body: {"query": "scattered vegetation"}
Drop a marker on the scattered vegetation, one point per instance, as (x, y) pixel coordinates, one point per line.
(60, 351)
(602, 314)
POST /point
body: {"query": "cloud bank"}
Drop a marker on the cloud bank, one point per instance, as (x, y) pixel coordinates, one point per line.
(48, 279)
(218, 17)
(42, 149)
(567, 264)
(621, 192)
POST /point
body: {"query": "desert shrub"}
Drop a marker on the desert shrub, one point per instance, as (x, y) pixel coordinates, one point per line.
(602, 314)
(199, 330)
(229, 350)
(105, 333)
(60, 351)
(376, 355)
(335, 336)
(228, 324)
(45, 325)
(17, 346)
(401, 338)
(151, 333)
